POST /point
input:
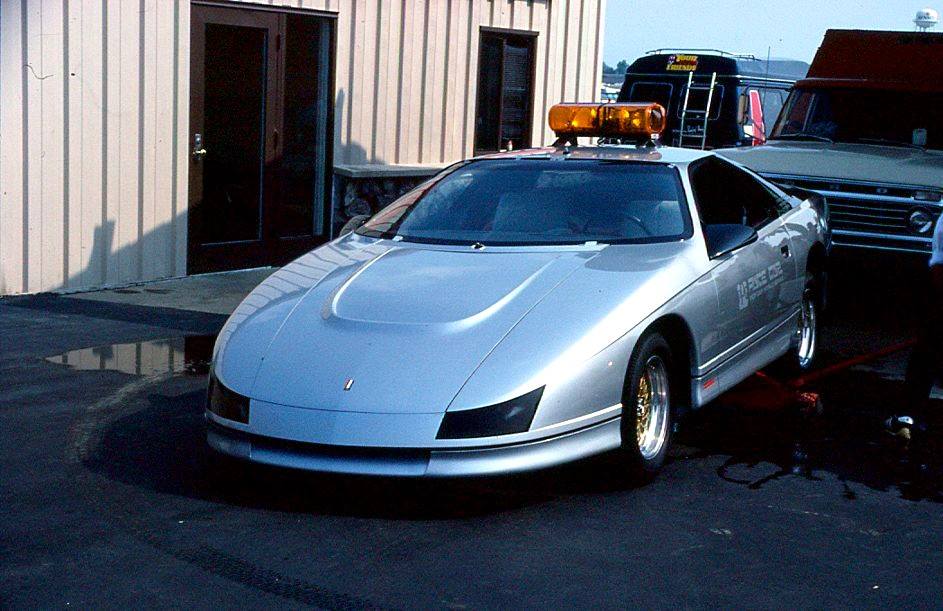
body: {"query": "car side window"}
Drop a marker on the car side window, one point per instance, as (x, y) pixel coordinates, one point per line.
(780, 202)
(725, 194)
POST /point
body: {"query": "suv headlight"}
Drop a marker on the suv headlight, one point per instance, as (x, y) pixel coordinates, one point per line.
(512, 416)
(920, 222)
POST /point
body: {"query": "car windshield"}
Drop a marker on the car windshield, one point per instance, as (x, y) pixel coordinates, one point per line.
(522, 202)
(894, 118)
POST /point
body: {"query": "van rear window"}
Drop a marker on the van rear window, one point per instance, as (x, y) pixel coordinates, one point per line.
(651, 92)
(698, 100)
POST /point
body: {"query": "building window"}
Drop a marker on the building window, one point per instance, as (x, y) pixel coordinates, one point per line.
(505, 91)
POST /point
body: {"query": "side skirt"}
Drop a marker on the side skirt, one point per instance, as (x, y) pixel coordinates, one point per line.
(745, 363)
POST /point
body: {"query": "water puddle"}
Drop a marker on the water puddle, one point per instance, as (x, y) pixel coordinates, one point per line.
(176, 355)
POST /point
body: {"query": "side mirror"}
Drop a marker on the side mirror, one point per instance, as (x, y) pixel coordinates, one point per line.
(353, 224)
(723, 238)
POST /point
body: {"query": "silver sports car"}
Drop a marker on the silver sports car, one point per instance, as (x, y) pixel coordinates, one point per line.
(520, 311)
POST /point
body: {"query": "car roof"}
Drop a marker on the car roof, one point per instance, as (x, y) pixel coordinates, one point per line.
(724, 64)
(610, 152)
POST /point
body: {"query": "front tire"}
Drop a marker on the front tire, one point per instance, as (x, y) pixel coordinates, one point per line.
(647, 406)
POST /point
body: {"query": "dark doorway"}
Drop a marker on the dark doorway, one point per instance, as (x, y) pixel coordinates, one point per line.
(261, 90)
(504, 114)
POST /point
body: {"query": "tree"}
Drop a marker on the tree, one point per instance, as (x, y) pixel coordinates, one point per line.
(622, 66)
(607, 69)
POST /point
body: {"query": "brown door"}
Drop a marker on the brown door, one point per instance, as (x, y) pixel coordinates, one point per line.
(259, 136)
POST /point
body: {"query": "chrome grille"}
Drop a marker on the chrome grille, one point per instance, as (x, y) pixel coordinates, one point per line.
(869, 215)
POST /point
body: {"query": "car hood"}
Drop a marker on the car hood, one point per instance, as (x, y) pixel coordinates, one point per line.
(400, 328)
(862, 162)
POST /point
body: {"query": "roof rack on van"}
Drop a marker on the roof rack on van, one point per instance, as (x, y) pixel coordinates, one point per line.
(713, 51)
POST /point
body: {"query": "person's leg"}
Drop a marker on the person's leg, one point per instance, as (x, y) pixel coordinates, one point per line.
(922, 367)
(926, 360)
(918, 383)
(936, 327)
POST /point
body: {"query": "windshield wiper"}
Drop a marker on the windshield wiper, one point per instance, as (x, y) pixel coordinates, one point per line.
(802, 136)
(887, 142)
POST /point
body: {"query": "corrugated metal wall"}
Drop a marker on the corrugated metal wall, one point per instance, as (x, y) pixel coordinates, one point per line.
(412, 72)
(94, 99)
(93, 132)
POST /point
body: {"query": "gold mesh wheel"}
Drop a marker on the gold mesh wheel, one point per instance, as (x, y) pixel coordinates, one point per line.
(652, 407)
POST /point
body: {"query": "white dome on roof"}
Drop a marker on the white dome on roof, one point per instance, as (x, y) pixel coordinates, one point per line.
(926, 18)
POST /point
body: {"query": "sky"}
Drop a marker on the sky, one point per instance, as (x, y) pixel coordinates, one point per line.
(791, 29)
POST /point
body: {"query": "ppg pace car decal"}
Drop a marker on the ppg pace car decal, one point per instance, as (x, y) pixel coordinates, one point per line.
(759, 284)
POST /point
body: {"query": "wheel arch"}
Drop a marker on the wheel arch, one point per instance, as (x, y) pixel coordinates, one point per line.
(817, 260)
(677, 333)
(816, 265)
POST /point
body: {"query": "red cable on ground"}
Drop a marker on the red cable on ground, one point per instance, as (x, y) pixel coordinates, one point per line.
(767, 393)
(837, 367)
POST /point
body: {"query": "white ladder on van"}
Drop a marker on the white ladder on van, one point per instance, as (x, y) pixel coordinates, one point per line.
(696, 115)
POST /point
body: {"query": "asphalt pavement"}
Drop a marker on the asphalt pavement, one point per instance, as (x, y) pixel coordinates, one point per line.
(110, 498)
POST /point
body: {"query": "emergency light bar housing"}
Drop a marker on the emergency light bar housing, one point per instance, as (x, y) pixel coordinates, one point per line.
(627, 121)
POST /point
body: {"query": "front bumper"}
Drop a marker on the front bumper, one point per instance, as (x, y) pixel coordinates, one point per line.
(416, 462)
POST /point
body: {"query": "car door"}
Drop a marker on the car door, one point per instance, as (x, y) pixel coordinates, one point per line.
(783, 231)
(770, 287)
(751, 282)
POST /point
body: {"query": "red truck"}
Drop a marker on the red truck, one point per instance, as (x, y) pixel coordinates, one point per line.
(865, 129)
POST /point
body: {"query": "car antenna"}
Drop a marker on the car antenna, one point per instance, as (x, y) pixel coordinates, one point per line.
(769, 50)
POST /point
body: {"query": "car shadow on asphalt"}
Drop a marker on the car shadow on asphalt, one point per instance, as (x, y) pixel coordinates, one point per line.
(161, 447)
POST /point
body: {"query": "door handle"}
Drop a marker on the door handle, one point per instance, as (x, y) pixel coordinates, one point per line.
(785, 251)
(198, 151)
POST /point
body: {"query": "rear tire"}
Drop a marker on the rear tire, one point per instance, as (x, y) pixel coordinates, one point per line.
(802, 354)
(808, 331)
(647, 406)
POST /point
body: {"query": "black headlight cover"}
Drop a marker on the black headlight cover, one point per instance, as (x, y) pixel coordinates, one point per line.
(226, 403)
(514, 416)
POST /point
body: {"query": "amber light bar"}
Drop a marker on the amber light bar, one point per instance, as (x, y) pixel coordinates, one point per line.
(607, 120)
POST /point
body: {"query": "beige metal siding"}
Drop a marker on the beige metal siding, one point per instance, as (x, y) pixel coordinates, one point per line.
(94, 99)
(418, 70)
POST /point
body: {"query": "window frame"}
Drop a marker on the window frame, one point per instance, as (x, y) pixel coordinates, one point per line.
(530, 38)
(420, 193)
(777, 210)
(784, 204)
(792, 98)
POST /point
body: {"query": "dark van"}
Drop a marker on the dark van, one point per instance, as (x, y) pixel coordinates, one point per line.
(745, 94)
